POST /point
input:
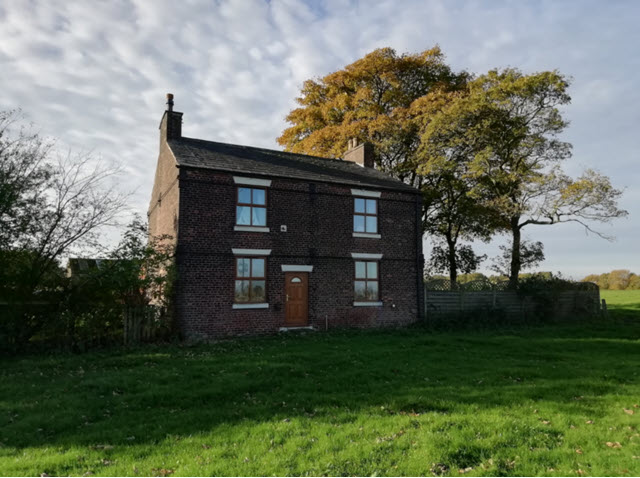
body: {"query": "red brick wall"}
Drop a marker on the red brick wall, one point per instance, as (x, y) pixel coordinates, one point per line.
(319, 222)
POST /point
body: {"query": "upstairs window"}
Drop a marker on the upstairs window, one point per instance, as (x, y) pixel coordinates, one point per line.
(366, 281)
(251, 207)
(251, 282)
(365, 215)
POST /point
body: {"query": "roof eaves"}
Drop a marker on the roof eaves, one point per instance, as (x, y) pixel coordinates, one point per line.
(401, 187)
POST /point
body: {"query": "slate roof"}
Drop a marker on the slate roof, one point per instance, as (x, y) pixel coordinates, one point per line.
(197, 153)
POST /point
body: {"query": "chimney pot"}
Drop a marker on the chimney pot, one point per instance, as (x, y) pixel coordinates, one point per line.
(171, 123)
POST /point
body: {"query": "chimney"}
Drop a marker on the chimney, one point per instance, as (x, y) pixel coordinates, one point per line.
(361, 154)
(171, 124)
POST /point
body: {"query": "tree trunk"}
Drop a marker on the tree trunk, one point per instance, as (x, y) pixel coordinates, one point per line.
(515, 252)
(453, 266)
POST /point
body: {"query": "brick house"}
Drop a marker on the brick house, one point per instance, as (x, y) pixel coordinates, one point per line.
(267, 240)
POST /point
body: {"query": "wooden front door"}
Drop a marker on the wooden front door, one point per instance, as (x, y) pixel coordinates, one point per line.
(296, 289)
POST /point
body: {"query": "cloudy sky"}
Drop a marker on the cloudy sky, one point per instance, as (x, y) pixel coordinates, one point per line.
(95, 74)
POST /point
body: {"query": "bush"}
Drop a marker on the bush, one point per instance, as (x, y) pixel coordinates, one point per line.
(478, 318)
(87, 307)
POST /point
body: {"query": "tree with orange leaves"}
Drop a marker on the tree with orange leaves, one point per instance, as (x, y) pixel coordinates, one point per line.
(381, 98)
(388, 99)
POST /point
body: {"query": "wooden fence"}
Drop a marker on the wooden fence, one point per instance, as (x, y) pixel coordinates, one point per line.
(143, 324)
(87, 325)
(478, 297)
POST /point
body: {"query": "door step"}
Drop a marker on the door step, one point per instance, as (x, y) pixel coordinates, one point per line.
(296, 329)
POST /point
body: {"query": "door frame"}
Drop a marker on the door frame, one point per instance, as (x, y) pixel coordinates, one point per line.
(304, 274)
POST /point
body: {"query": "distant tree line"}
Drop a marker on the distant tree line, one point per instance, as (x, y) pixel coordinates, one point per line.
(619, 279)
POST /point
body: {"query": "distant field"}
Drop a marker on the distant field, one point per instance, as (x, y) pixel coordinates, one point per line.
(622, 302)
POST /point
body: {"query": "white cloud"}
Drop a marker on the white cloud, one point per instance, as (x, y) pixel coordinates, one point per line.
(94, 75)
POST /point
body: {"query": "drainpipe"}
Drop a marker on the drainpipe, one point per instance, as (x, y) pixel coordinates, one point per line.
(420, 258)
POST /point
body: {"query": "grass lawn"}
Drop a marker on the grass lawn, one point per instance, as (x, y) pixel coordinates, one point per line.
(555, 400)
(624, 302)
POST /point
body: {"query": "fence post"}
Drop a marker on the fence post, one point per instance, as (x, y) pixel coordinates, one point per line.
(137, 326)
(125, 328)
(426, 302)
(605, 312)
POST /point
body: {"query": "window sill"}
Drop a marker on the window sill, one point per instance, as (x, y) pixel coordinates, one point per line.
(251, 306)
(251, 228)
(367, 304)
(366, 234)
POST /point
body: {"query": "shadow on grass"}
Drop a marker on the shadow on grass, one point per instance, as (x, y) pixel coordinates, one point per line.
(625, 311)
(152, 392)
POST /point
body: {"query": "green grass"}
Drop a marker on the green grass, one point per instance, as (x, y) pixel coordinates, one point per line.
(624, 302)
(535, 401)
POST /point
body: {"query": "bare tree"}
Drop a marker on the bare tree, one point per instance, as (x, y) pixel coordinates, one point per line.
(51, 205)
(24, 175)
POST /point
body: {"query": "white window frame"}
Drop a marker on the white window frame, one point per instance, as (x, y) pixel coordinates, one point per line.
(363, 256)
(366, 193)
(251, 183)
